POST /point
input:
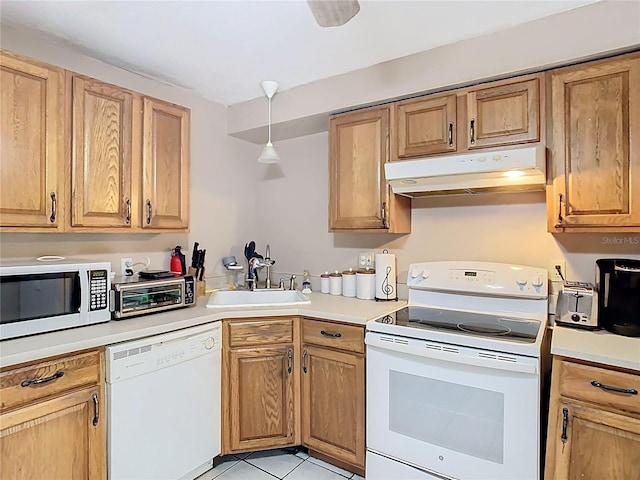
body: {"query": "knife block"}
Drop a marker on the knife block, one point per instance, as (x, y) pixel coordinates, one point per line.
(201, 286)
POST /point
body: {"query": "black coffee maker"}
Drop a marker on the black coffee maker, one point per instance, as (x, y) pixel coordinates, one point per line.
(618, 285)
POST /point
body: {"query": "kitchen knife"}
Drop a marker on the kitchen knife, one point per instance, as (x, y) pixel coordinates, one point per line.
(202, 254)
(194, 255)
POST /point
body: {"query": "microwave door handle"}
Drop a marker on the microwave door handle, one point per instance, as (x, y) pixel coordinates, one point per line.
(85, 288)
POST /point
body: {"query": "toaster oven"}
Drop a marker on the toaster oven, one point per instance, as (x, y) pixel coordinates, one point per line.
(131, 296)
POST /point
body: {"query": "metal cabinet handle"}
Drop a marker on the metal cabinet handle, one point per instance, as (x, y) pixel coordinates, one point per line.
(149, 211)
(472, 130)
(127, 205)
(628, 391)
(304, 360)
(330, 334)
(451, 134)
(39, 381)
(560, 218)
(383, 211)
(96, 409)
(54, 207)
(565, 424)
(289, 360)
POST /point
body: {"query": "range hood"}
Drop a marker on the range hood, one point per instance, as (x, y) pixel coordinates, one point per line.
(518, 169)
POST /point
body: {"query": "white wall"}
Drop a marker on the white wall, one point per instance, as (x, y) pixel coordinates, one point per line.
(222, 175)
(511, 228)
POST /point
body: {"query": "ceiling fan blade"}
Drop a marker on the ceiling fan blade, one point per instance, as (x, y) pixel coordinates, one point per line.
(333, 13)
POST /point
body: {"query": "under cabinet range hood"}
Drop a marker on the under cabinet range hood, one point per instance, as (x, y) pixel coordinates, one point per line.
(514, 170)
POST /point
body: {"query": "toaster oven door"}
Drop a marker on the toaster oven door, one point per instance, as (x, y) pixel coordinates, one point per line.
(147, 297)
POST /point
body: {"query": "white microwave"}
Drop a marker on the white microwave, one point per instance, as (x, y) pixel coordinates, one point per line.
(43, 296)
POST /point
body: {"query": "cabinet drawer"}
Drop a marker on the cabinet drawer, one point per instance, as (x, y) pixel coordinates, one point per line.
(22, 385)
(260, 331)
(576, 382)
(335, 335)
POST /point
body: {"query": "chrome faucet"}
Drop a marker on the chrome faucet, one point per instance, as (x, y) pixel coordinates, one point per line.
(255, 264)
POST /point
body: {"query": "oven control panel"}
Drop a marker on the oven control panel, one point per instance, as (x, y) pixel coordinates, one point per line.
(480, 278)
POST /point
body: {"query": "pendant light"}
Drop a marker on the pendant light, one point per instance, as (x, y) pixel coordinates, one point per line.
(269, 154)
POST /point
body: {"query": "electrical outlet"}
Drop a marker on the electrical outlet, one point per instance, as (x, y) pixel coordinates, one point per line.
(124, 264)
(554, 275)
(365, 260)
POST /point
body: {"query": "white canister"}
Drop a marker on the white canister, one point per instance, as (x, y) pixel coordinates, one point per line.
(324, 282)
(366, 284)
(335, 283)
(349, 283)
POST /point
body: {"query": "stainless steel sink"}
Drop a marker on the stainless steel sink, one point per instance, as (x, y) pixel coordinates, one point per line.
(258, 298)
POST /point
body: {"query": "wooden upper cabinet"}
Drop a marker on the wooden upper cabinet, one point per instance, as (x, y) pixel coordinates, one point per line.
(32, 139)
(359, 197)
(504, 114)
(425, 126)
(165, 165)
(495, 114)
(595, 154)
(102, 150)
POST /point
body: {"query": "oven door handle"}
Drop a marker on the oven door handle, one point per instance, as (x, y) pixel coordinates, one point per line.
(415, 349)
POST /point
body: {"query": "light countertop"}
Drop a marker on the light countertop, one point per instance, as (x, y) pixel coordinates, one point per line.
(598, 346)
(324, 306)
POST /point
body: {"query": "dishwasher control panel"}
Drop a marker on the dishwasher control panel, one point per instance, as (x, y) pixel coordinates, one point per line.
(130, 359)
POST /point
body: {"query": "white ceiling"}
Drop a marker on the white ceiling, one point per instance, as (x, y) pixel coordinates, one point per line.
(222, 50)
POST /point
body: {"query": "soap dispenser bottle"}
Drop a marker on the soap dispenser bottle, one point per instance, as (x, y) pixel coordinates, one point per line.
(306, 282)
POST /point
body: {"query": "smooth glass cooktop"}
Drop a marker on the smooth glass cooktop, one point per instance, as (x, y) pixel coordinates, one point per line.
(465, 323)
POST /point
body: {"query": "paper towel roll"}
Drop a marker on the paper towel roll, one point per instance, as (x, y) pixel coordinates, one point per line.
(386, 276)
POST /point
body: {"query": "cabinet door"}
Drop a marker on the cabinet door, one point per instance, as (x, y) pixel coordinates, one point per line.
(261, 397)
(358, 194)
(425, 126)
(32, 148)
(333, 405)
(101, 154)
(59, 438)
(592, 444)
(504, 114)
(165, 167)
(596, 146)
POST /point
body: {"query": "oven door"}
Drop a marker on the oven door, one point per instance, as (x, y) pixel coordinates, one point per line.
(453, 411)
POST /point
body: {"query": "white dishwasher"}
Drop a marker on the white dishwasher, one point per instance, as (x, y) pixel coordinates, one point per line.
(163, 404)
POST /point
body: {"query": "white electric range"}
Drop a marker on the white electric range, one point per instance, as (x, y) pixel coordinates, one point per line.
(454, 379)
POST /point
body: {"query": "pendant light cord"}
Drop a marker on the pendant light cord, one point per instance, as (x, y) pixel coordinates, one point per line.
(269, 119)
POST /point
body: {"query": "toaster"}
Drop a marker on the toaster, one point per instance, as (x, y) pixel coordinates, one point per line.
(577, 305)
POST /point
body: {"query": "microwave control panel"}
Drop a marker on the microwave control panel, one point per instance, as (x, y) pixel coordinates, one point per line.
(98, 289)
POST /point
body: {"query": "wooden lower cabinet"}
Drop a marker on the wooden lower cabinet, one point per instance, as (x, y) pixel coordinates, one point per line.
(332, 409)
(594, 433)
(289, 381)
(54, 429)
(259, 384)
(261, 398)
(53, 439)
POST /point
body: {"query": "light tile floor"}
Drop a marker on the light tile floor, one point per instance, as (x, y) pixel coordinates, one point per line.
(289, 464)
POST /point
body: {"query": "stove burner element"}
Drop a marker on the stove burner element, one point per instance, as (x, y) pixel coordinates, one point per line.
(519, 330)
(484, 329)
